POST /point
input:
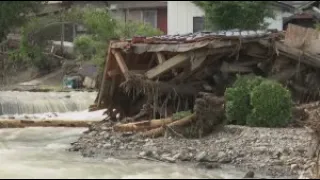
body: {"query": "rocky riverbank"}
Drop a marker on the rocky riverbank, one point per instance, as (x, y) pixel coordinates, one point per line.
(272, 152)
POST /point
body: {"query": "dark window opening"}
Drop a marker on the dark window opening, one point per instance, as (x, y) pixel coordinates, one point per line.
(198, 24)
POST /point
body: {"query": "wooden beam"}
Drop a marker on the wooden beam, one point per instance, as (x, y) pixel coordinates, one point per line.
(167, 65)
(113, 86)
(194, 72)
(160, 57)
(105, 71)
(114, 72)
(197, 62)
(226, 67)
(296, 54)
(122, 65)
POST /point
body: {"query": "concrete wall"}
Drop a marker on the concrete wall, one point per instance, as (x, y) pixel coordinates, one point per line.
(134, 15)
(181, 13)
(277, 22)
(180, 16)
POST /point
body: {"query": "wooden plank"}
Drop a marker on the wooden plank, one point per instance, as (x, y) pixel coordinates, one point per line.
(12, 123)
(167, 65)
(296, 54)
(160, 57)
(122, 65)
(114, 72)
(226, 67)
(298, 36)
(197, 62)
(194, 72)
(306, 39)
(105, 70)
(153, 58)
(113, 86)
(119, 44)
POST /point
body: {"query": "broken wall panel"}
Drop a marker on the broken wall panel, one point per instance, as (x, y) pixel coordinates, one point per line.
(166, 73)
(306, 39)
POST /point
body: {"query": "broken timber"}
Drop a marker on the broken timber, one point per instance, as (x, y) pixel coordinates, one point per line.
(294, 53)
(11, 123)
(167, 65)
(167, 72)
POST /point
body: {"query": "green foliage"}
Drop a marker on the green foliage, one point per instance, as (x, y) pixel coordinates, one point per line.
(244, 15)
(102, 29)
(13, 14)
(130, 29)
(100, 23)
(85, 46)
(91, 47)
(238, 98)
(271, 104)
(256, 101)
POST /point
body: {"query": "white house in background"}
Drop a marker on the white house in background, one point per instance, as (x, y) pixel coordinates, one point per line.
(186, 17)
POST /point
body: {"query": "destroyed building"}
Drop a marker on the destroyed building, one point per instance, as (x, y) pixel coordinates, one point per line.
(155, 77)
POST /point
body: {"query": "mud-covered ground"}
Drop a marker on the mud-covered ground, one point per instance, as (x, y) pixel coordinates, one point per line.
(272, 152)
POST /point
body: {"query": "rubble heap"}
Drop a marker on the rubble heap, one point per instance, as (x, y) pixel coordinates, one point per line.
(148, 80)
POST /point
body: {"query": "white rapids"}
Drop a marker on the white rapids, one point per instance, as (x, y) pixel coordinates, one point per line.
(39, 152)
(13, 102)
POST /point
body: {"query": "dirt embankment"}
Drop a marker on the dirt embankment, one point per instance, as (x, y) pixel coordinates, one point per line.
(273, 152)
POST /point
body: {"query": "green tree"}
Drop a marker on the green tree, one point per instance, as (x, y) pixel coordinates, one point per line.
(244, 15)
(13, 14)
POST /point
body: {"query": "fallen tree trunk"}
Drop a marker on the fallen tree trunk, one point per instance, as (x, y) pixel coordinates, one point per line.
(142, 125)
(43, 123)
(161, 130)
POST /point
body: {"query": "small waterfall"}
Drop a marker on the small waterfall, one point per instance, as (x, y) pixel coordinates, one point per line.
(13, 102)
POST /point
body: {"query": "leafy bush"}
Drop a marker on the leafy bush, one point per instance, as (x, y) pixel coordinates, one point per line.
(130, 29)
(91, 47)
(271, 104)
(100, 23)
(85, 46)
(256, 101)
(103, 28)
(238, 98)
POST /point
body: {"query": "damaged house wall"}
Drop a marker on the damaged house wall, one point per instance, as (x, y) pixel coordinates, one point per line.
(157, 77)
(156, 70)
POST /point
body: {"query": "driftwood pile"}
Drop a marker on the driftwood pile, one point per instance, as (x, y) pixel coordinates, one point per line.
(149, 80)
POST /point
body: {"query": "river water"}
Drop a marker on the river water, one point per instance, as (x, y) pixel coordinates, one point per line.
(14, 102)
(42, 152)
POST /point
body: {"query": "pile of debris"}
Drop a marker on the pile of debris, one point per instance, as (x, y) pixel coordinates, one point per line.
(156, 77)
